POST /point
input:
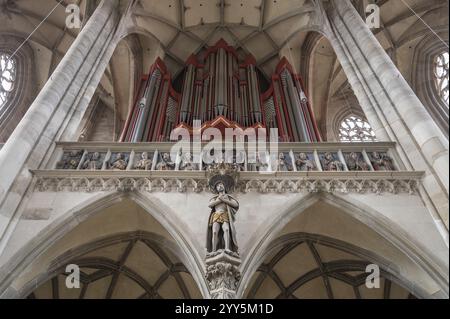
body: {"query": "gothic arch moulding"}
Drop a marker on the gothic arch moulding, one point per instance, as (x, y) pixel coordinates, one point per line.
(97, 225)
(424, 80)
(133, 264)
(339, 220)
(324, 268)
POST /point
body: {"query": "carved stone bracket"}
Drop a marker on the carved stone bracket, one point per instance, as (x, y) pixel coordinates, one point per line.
(226, 173)
(223, 275)
(344, 185)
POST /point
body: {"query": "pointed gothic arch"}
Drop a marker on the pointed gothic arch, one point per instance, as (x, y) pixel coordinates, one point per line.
(370, 221)
(69, 240)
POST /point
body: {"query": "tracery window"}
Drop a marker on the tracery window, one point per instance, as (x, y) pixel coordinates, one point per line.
(355, 129)
(442, 76)
(7, 77)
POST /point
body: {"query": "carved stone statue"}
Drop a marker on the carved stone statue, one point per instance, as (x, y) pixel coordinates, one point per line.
(356, 163)
(283, 164)
(221, 232)
(70, 160)
(187, 163)
(304, 164)
(165, 164)
(382, 162)
(329, 163)
(237, 159)
(144, 164)
(118, 162)
(260, 165)
(94, 162)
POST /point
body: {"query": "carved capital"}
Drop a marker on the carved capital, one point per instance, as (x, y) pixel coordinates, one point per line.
(223, 276)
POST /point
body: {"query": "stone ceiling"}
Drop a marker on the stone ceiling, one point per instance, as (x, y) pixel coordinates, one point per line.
(261, 28)
(268, 29)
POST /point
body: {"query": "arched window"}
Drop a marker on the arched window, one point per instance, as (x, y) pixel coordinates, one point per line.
(441, 74)
(355, 129)
(7, 77)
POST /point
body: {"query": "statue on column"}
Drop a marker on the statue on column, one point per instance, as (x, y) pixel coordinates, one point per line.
(221, 231)
(222, 258)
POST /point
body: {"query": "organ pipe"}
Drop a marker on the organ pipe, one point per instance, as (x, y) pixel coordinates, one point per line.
(220, 82)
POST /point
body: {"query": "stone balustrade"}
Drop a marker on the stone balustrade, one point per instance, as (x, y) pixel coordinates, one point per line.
(290, 157)
(294, 167)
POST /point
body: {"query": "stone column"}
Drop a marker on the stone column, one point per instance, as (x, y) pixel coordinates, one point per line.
(56, 111)
(389, 103)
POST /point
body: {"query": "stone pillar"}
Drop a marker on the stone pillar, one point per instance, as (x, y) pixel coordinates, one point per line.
(389, 103)
(56, 111)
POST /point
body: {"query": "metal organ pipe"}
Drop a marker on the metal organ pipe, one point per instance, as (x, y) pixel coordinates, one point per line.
(219, 82)
(144, 105)
(187, 91)
(297, 109)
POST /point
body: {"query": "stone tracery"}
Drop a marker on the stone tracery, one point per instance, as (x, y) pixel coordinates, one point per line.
(7, 77)
(442, 75)
(354, 129)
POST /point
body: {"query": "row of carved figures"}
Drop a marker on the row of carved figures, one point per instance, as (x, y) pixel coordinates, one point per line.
(289, 161)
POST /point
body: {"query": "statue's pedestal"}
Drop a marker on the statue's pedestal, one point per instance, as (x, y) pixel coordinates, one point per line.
(223, 275)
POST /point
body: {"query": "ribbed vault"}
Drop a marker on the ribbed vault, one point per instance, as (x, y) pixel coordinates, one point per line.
(268, 29)
(315, 267)
(131, 266)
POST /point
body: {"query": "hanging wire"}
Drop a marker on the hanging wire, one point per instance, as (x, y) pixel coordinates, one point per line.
(35, 29)
(423, 21)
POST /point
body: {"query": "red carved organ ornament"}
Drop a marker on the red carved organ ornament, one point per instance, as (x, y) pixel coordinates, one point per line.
(219, 87)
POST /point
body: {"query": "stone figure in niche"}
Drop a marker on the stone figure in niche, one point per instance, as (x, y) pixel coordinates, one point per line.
(93, 162)
(166, 163)
(304, 164)
(118, 162)
(220, 157)
(283, 164)
(237, 159)
(215, 157)
(330, 163)
(260, 165)
(187, 163)
(221, 235)
(355, 162)
(382, 162)
(144, 164)
(70, 160)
